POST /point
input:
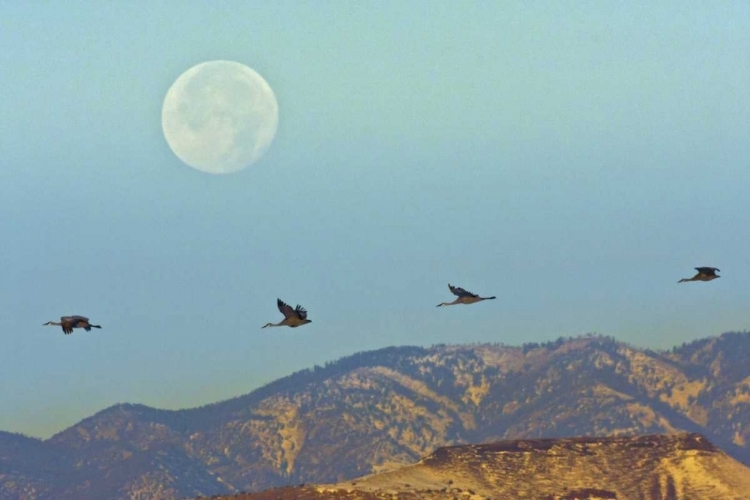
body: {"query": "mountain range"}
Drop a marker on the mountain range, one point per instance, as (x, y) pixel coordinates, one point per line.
(380, 410)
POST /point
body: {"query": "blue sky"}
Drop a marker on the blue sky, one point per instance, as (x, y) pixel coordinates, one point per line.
(575, 159)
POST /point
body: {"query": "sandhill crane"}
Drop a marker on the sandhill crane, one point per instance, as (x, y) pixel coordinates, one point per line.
(69, 322)
(704, 274)
(292, 317)
(464, 297)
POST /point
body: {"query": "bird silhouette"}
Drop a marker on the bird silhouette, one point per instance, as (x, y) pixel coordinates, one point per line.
(69, 322)
(292, 317)
(464, 297)
(704, 274)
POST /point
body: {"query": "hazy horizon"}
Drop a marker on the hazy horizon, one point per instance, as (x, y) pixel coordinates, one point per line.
(573, 159)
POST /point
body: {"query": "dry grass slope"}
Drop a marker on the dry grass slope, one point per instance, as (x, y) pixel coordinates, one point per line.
(655, 467)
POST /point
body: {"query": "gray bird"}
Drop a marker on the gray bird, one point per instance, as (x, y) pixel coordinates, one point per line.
(69, 322)
(464, 297)
(704, 274)
(292, 317)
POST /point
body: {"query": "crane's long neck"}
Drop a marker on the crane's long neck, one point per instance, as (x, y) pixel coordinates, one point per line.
(448, 303)
(52, 323)
(686, 279)
(270, 324)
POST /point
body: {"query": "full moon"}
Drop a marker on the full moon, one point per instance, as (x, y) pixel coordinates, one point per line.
(219, 117)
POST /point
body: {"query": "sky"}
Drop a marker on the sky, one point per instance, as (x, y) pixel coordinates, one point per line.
(574, 159)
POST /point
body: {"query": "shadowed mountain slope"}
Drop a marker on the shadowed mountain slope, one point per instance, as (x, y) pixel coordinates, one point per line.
(379, 410)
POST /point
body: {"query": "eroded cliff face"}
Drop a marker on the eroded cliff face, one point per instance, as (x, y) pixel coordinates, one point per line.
(654, 467)
(379, 410)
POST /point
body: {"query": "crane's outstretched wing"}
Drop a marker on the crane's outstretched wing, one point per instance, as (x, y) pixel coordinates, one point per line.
(710, 271)
(301, 312)
(77, 322)
(285, 309)
(73, 319)
(460, 292)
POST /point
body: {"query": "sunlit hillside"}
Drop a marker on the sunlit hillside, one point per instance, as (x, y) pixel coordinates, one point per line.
(675, 467)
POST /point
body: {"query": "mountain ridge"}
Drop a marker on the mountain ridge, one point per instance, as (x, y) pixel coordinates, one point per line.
(377, 410)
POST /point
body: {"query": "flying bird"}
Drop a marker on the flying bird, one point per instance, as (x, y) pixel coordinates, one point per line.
(704, 274)
(464, 297)
(292, 317)
(69, 322)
